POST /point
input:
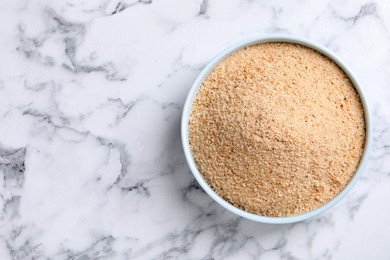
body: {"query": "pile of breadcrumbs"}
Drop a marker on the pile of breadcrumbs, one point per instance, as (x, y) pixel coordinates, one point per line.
(277, 129)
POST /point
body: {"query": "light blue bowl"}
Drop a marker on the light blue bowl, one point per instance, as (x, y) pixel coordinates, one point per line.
(187, 110)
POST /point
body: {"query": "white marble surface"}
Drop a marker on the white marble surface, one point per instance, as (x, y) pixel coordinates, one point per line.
(91, 164)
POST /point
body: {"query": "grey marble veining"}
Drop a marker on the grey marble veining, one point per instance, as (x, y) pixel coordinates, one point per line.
(91, 164)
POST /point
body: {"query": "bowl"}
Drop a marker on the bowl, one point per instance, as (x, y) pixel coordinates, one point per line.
(187, 110)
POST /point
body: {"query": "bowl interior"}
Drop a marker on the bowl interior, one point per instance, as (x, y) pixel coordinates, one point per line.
(187, 110)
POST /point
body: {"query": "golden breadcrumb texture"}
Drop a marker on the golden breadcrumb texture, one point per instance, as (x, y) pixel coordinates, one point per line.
(277, 129)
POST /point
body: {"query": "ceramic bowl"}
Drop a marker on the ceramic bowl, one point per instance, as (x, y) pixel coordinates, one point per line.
(187, 110)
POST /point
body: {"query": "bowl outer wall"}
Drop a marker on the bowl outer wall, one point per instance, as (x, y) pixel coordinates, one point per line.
(187, 110)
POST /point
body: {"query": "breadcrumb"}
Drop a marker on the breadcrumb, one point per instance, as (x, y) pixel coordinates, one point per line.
(277, 129)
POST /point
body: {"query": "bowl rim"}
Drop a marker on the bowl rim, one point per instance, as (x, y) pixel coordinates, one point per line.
(209, 68)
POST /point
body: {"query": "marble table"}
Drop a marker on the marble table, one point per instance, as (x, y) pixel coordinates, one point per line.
(91, 163)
